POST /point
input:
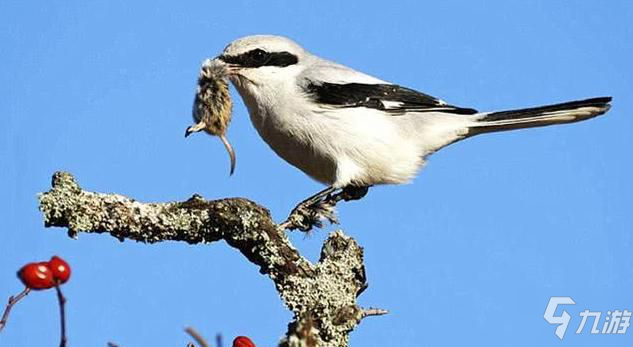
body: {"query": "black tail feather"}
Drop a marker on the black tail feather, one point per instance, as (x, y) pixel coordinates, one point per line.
(566, 112)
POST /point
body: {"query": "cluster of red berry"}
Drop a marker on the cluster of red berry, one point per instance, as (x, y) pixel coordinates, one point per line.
(45, 274)
(243, 341)
(48, 274)
(40, 276)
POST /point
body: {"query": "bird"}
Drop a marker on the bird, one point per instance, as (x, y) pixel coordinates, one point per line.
(349, 130)
(212, 105)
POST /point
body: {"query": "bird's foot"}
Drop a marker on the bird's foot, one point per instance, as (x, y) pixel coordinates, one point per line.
(321, 206)
(310, 214)
(350, 193)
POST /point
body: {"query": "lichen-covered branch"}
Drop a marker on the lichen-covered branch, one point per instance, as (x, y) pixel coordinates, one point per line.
(322, 296)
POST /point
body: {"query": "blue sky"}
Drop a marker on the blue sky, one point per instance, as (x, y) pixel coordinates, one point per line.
(469, 253)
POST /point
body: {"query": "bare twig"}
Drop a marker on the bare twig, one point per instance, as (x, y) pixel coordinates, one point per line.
(12, 301)
(373, 312)
(196, 336)
(218, 340)
(62, 315)
(112, 344)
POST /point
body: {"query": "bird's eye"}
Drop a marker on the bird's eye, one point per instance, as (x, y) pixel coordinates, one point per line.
(258, 56)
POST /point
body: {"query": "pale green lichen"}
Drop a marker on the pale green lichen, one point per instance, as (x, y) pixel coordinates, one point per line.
(322, 296)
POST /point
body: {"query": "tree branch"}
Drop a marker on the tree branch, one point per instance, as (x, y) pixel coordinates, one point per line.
(322, 296)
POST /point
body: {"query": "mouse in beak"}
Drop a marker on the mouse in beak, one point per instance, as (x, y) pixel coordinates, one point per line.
(212, 106)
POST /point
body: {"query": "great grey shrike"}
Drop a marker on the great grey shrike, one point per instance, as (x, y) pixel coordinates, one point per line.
(349, 130)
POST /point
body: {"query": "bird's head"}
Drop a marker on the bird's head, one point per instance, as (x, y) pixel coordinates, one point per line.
(263, 60)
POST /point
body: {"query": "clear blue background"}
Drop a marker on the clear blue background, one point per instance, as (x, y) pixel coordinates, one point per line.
(469, 253)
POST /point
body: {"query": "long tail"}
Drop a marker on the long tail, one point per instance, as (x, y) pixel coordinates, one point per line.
(568, 112)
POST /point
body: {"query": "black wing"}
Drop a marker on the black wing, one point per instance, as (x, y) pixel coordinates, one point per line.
(386, 97)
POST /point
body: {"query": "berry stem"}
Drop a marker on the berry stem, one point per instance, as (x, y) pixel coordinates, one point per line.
(12, 301)
(62, 315)
(196, 336)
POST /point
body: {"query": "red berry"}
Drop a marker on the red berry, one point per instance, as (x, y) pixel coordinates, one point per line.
(243, 341)
(60, 269)
(37, 276)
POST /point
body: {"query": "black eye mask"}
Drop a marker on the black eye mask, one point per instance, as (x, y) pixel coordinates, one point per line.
(257, 57)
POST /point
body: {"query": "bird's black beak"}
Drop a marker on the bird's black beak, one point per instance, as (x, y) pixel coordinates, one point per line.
(188, 132)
